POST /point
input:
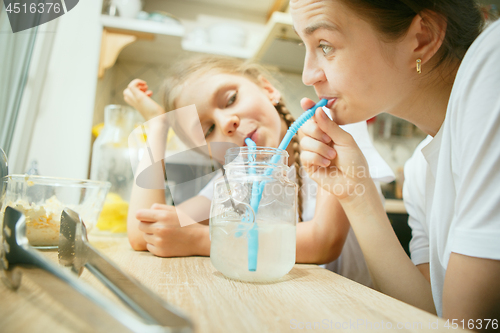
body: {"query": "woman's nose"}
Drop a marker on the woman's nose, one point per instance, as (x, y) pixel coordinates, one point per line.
(312, 72)
(229, 124)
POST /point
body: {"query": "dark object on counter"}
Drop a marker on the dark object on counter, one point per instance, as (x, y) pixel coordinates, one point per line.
(400, 225)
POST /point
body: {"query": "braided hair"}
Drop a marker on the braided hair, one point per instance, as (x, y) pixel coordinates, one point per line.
(288, 118)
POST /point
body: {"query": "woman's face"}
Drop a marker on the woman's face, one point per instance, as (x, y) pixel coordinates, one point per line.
(347, 63)
(232, 108)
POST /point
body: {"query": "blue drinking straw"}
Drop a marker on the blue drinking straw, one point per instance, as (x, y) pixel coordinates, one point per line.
(253, 233)
(284, 144)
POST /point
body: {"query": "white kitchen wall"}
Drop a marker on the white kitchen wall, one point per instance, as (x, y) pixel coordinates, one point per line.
(62, 133)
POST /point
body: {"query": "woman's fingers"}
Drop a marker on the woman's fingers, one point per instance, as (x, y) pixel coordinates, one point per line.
(330, 128)
(306, 103)
(315, 146)
(312, 160)
(310, 128)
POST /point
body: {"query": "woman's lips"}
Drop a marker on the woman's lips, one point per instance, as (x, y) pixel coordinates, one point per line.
(330, 102)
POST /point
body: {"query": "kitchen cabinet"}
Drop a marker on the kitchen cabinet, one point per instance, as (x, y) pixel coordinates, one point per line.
(274, 43)
(280, 46)
(159, 43)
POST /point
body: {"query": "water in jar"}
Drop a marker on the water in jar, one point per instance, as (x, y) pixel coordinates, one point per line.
(229, 249)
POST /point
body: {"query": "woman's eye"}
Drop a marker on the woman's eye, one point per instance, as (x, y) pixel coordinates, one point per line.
(326, 49)
(210, 130)
(232, 99)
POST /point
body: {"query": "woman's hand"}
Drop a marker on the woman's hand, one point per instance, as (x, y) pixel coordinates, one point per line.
(331, 157)
(138, 96)
(166, 238)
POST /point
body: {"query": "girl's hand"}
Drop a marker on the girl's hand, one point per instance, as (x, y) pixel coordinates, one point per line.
(331, 157)
(138, 96)
(163, 233)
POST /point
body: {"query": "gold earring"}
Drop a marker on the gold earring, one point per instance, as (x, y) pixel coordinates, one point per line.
(419, 66)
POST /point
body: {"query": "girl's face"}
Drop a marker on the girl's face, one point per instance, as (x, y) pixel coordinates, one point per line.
(232, 108)
(347, 63)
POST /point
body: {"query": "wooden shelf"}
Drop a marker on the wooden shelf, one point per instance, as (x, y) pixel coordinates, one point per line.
(113, 42)
(169, 42)
(134, 25)
(237, 52)
(131, 39)
(280, 46)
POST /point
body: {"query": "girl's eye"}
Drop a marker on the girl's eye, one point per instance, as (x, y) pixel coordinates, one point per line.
(325, 48)
(232, 99)
(210, 130)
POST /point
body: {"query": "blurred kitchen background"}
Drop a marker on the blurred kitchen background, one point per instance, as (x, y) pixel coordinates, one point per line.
(57, 79)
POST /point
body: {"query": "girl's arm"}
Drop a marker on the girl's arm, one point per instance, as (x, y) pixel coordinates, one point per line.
(321, 239)
(138, 96)
(165, 237)
(144, 198)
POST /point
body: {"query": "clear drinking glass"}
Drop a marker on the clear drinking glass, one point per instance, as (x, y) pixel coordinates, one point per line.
(42, 199)
(111, 162)
(272, 234)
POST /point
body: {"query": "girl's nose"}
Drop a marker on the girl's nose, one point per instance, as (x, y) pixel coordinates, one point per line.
(229, 124)
(312, 72)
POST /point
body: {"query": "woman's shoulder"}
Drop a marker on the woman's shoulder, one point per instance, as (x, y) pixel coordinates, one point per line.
(482, 57)
(475, 90)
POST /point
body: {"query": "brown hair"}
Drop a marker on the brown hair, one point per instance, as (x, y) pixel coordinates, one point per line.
(182, 70)
(392, 18)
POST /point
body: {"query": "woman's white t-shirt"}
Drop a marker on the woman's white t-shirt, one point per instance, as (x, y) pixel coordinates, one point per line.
(351, 262)
(452, 188)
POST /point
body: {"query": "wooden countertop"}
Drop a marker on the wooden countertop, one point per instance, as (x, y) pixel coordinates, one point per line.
(309, 294)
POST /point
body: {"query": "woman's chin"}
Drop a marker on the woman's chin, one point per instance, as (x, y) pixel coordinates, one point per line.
(345, 119)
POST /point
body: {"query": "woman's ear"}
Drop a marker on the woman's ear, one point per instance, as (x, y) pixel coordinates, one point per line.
(271, 92)
(427, 32)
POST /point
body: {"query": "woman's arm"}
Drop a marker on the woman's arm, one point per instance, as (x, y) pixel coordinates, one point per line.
(392, 271)
(472, 292)
(321, 239)
(346, 176)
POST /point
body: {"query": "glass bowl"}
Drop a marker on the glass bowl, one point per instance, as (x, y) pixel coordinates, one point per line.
(42, 199)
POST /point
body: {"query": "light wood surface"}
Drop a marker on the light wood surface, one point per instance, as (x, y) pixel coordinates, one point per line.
(309, 294)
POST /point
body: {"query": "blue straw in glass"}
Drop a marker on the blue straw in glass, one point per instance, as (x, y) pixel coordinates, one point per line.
(253, 233)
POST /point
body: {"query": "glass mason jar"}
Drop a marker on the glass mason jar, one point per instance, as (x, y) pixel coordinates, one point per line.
(111, 162)
(262, 250)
